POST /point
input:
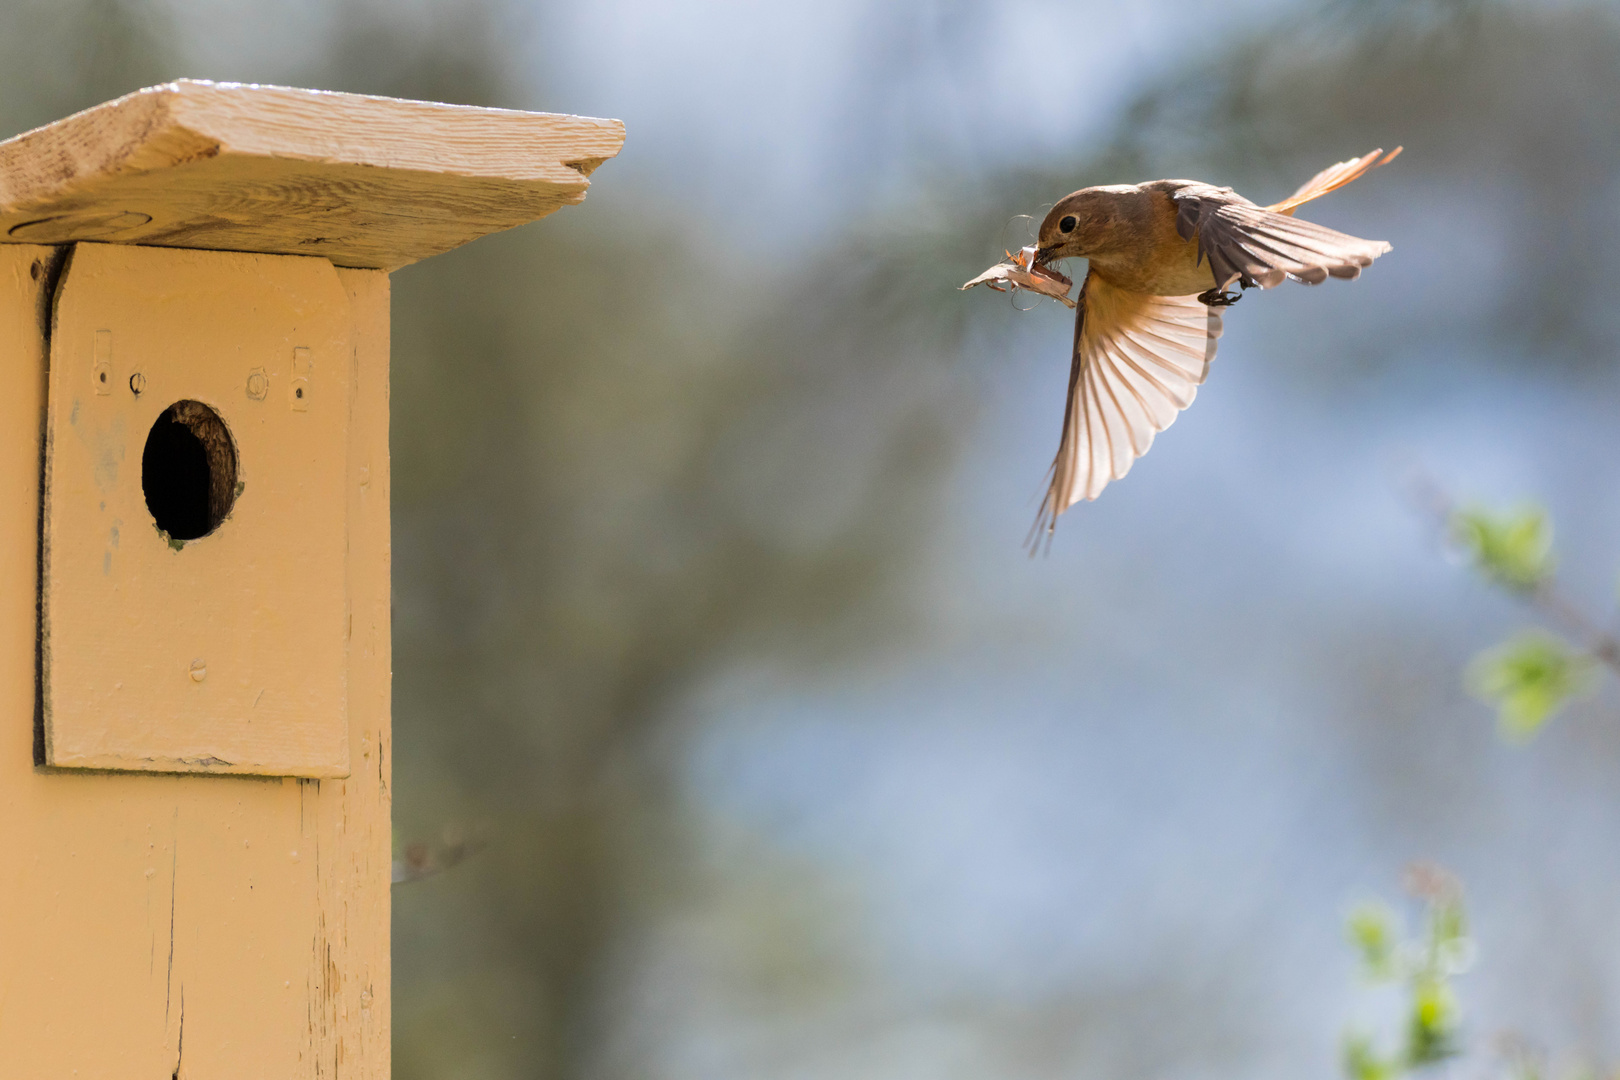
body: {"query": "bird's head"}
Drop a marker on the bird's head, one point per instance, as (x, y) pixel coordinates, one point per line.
(1083, 224)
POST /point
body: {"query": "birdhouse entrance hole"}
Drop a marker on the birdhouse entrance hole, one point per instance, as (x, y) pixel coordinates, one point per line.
(188, 470)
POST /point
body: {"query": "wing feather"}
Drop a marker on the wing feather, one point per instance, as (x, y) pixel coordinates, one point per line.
(1138, 361)
(1258, 246)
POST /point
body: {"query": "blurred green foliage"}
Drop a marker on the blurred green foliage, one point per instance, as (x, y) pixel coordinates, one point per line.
(1422, 967)
(1512, 549)
(1534, 675)
(1372, 929)
(1427, 1030)
(1529, 679)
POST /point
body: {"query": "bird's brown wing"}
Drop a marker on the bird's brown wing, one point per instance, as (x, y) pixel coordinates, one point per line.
(1138, 361)
(1248, 243)
(1333, 178)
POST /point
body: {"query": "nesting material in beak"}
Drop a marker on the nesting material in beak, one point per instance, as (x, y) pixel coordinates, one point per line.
(1021, 271)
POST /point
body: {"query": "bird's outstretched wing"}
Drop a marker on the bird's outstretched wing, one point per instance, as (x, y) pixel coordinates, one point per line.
(1333, 178)
(1256, 246)
(1138, 361)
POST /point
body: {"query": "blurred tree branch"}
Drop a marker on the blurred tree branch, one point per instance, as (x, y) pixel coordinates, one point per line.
(1534, 675)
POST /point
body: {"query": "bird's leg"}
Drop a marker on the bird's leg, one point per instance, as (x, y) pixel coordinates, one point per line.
(1219, 298)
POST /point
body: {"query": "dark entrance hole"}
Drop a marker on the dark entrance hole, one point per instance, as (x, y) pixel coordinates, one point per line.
(188, 470)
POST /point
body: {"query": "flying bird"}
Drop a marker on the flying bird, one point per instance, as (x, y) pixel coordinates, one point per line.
(1163, 259)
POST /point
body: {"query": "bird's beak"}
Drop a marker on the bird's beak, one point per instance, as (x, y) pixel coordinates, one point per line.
(1034, 260)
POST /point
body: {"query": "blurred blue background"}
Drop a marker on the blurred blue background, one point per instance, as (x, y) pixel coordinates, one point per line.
(711, 605)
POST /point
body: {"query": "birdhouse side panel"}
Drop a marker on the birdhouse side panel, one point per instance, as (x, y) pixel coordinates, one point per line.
(353, 817)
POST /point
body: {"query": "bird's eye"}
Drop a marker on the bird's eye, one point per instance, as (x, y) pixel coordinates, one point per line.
(1067, 224)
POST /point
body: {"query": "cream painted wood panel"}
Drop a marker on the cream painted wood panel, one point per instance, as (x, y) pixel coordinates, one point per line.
(354, 816)
(157, 925)
(363, 181)
(225, 652)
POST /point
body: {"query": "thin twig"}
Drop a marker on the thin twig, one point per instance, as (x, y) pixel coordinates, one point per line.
(424, 859)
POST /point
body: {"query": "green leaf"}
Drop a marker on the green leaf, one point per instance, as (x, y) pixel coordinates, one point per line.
(1529, 679)
(1513, 549)
(1371, 928)
(1431, 1033)
(1450, 948)
(1362, 1061)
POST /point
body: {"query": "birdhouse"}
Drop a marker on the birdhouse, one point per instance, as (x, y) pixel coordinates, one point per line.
(195, 840)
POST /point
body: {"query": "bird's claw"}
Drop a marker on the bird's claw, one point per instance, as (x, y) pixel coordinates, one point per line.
(1219, 298)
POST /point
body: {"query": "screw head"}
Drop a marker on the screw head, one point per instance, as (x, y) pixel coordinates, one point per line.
(258, 384)
(199, 669)
(137, 383)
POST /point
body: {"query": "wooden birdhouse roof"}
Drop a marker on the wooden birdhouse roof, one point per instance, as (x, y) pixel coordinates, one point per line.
(363, 181)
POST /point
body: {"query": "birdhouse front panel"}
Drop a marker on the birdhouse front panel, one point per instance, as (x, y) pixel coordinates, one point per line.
(194, 613)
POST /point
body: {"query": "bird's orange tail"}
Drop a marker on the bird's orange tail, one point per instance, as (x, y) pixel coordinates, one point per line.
(1334, 177)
